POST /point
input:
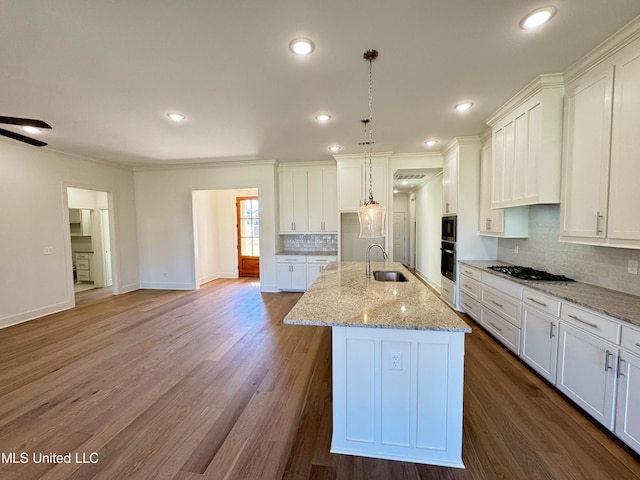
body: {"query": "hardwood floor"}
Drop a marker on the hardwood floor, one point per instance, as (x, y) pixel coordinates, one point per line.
(516, 426)
(211, 385)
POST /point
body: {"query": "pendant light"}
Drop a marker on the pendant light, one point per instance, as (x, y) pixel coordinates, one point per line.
(371, 214)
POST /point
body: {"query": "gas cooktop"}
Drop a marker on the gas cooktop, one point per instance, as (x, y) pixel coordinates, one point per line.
(526, 273)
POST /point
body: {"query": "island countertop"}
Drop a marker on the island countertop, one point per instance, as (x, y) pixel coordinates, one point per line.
(344, 296)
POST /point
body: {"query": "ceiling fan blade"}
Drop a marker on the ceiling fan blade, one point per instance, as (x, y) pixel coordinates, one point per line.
(24, 122)
(22, 138)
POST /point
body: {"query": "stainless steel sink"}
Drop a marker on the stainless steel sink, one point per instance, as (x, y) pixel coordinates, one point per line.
(389, 276)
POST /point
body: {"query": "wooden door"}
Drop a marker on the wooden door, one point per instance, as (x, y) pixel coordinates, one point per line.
(248, 224)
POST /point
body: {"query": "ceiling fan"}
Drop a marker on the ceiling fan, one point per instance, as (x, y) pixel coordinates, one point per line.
(23, 122)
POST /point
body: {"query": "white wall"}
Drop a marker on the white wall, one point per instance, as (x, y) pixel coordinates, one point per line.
(164, 205)
(34, 215)
(216, 233)
(428, 230)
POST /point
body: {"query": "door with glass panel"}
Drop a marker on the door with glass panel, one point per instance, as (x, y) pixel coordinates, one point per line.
(248, 236)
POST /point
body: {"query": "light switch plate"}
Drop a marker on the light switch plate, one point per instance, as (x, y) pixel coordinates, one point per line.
(632, 267)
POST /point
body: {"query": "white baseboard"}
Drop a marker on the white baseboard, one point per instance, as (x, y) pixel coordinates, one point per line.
(33, 314)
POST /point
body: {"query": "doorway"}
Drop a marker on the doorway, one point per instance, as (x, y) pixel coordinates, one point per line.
(90, 240)
(399, 237)
(248, 225)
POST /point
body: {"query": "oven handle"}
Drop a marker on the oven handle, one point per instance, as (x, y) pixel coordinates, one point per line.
(447, 250)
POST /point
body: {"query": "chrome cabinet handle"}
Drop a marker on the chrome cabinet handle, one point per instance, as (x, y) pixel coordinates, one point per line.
(592, 325)
(606, 360)
(619, 368)
(497, 328)
(536, 301)
(497, 304)
(551, 334)
(598, 218)
(637, 344)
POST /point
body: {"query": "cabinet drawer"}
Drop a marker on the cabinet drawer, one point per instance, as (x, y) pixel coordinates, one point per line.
(448, 290)
(470, 272)
(505, 305)
(82, 264)
(470, 287)
(630, 339)
(83, 275)
(321, 259)
(505, 286)
(82, 256)
(470, 306)
(542, 302)
(591, 322)
(501, 329)
(291, 259)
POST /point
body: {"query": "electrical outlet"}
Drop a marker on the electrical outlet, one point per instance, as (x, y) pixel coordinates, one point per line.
(516, 249)
(632, 267)
(48, 250)
(396, 360)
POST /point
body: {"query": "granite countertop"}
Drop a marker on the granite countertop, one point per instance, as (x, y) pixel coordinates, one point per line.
(296, 252)
(622, 306)
(344, 296)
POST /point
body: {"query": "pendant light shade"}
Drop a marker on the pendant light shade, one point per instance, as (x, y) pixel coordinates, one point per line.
(371, 214)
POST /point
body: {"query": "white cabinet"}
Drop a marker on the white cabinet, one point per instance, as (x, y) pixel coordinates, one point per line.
(322, 200)
(450, 168)
(83, 267)
(448, 291)
(498, 222)
(80, 222)
(586, 372)
(540, 333)
(353, 181)
(293, 201)
(291, 272)
(527, 134)
(307, 199)
(315, 266)
(600, 197)
(628, 406)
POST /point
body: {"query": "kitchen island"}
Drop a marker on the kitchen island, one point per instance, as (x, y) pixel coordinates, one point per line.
(397, 364)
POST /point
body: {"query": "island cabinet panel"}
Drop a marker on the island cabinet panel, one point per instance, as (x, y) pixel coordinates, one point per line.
(397, 394)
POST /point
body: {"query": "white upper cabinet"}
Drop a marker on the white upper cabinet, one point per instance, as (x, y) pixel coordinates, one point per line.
(353, 180)
(293, 201)
(450, 167)
(323, 205)
(600, 194)
(498, 222)
(307, 199)
(527, 135)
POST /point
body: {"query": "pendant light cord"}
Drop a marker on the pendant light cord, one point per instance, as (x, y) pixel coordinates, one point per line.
(370, 56)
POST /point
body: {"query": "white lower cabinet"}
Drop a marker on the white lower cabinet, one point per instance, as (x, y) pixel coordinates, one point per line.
(397, 394)
(315, 266)
(540, 342)
(586, 372)
(291, 272)
(505, 332)
(448, 291)
(628, 406)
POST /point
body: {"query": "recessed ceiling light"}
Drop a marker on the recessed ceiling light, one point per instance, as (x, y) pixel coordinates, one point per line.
(32, 130)
(176, 117)
(463, 107)
(395, 190)
(430, 143)
(323, 117)
(538, 17)
(335, 148)
(301, 46)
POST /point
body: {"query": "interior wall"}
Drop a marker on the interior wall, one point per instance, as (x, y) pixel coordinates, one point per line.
(35, 220)
(164, 205)
(217, 236)
(428, 230)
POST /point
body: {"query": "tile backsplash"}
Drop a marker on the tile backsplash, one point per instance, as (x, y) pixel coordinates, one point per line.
(602, 266)
(310, 243)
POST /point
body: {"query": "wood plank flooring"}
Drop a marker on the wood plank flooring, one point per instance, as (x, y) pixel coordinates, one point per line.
(162, 385)
(211, 385)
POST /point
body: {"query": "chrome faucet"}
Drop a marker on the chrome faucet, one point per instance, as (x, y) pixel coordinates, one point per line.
(384, 255)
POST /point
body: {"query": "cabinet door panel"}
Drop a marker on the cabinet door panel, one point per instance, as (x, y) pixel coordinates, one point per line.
(540, 342)
(624, 194)
(583, 374)
(585, 176)
(498, 167)
(315, 191)
(628, 411)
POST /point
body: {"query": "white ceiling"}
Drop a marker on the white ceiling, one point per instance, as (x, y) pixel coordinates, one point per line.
(104, 74)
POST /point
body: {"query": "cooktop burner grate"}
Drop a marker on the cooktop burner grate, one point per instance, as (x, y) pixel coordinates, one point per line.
(526, 273)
